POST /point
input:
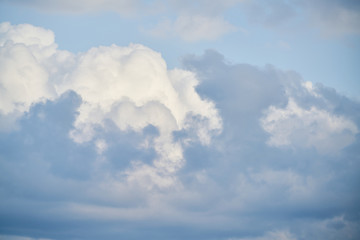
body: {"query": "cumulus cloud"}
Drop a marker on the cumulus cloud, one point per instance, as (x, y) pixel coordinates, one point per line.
(118, 146)
(295, 126)
(284, 140)
(129, 86)
(24, 50)
(296, 114)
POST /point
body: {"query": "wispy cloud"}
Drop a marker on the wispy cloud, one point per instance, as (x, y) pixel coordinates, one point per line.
(193, 28)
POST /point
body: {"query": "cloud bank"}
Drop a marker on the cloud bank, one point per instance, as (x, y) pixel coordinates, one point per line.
(111, 144)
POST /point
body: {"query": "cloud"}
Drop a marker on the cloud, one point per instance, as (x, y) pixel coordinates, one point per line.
(295, 126)
(125, 148)
(194, 21)
(321, 128)
(193, 28)
(24, 77)
(331, 18)
(132, 88)
(295, 114)
(203, 20)
(129, 86)
(335, 18)
(270, 14)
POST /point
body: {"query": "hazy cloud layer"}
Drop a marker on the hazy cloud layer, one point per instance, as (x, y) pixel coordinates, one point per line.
(331, 18)
(335, 18)
(193, 28)
(111, 144)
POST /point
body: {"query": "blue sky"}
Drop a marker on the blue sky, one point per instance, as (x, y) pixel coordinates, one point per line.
(179, 119)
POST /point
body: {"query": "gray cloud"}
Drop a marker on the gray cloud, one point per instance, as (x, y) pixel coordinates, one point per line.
(232, 185)
(332, 18)
(300, 179)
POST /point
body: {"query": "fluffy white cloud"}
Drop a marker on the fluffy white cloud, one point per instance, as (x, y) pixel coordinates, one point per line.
(132, 87)
(193, 28)
(119, 174)
(299, 127)
(24, 50)
(129, 86)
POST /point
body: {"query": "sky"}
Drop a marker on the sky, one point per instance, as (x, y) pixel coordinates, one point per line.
(152, 119)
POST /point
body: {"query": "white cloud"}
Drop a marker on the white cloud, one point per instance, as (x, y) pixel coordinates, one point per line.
(130, 86)
(193, 28)
(101, 146)
(24, 50)
(223, 189)
(314, 127)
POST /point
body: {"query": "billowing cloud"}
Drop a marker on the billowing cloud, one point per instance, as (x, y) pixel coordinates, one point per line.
(114, 145)
(295, 126)
(24, 76)
(295, 114)
(129, 86)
